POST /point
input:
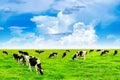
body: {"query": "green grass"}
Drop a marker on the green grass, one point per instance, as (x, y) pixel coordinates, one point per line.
(95, 67)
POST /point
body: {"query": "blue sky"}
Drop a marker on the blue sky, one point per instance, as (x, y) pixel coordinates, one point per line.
(60, 23)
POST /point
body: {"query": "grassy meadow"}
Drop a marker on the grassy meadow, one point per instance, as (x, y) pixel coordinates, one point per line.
(95, 67)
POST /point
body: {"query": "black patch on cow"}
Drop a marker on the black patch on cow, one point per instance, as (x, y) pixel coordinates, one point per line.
(91, 50)
(39, 51)
(64, 54)
(115, 52)
(33, 61)
(52, 54)
(104, 52)
(22, 52)
(5, 52)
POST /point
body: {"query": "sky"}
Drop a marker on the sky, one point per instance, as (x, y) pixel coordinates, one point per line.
(45, 24)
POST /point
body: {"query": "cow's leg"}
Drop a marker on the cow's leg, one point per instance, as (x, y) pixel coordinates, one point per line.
(27, 63)
(18, 61)
(29, 66)
(36, 68)
(84, 57)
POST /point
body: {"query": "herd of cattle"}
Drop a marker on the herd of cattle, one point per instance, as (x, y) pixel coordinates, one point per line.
(24, 58)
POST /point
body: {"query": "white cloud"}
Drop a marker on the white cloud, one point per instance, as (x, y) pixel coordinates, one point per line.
(83, 35)
(29, 40)
(78, 23)
(53, 25)
(63, 4)
(16, 30)
(26, 6)
(99, 10)
(1, 28)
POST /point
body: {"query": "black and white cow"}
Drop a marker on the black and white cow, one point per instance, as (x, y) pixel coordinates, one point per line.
(75, 56)
(98, 50)
(19, 58)
(33, 61)
(67, 50)
(115, 52)
(23, 53)
(104, 52)
(80, 54)
(64, 54)
(39, 51)
(91, 50)
(5, 52)
(53, 54)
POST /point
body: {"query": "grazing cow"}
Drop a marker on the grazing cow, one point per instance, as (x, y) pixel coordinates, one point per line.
(5, 52)
(19, 58)
(33, 61)
(52, 54)
(91, 50)
(80, 54)
(75, 56)
(64, 54)
(23, 53)
(98, 50)
(115, 52)
(67, 50)
(104, 52)
(39, 51)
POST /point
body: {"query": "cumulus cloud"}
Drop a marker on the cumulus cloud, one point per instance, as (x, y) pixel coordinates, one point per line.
(54, 25)
(83, 35)
(74, 17)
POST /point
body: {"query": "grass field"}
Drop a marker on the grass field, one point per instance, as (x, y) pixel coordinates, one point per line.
(95, 67)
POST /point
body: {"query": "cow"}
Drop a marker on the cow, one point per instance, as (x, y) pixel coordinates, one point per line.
(98, 50)
(64, 54)
(39, 51)
(104, 52)
(115, 52)
(80, 54)
(53, 54)
(23, 53)
(33, 61)
(67, 50)
(19, 58)
(5, 52)
(75, 56)
(91, 50)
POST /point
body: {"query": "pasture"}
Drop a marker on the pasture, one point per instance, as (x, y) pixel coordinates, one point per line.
(95, 67)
